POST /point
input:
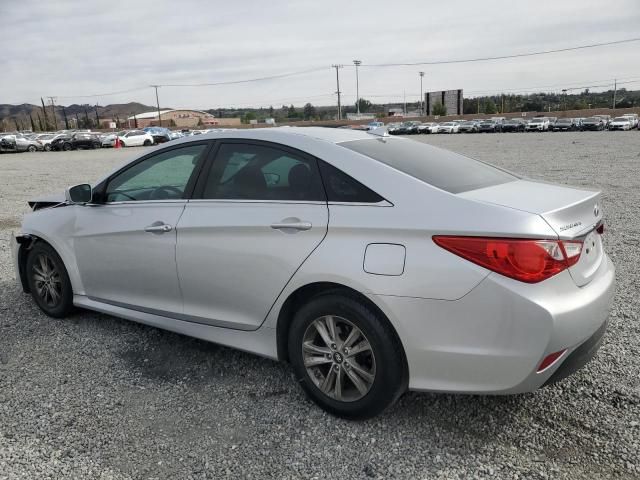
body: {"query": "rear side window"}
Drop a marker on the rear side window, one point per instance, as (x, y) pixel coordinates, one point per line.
(446, 170)
(340, 187)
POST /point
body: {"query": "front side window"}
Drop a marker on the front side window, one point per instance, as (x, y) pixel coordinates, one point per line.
(160, 177)
(257, 172)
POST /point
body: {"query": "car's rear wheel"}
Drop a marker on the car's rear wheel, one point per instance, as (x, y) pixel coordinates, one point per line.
(47, 148)
(346, 356)
(147, 143)
(48, 281)
(32, 148)
(66, 147)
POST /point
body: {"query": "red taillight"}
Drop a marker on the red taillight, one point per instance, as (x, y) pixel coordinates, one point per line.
(550, 360)
(529, 261)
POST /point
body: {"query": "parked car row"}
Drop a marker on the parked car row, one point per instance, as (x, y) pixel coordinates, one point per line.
(502, 124)
(66, 140)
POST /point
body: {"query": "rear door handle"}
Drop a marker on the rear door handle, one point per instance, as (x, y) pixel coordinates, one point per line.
(299, 225)
(158, 228)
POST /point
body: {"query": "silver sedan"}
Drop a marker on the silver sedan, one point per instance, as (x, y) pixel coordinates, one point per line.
(372, 264)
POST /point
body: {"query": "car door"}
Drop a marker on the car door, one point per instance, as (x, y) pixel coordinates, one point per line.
(259, 212)
(125, 243)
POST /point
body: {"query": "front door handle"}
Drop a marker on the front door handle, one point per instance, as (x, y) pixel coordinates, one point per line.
(157, 227)
(291, 225)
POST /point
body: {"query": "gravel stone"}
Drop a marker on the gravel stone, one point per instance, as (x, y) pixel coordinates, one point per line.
(98, 397)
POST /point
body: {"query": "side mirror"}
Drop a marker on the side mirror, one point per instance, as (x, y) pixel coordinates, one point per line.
(78, 194)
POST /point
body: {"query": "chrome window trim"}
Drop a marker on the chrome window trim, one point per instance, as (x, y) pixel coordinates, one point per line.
(251, 201)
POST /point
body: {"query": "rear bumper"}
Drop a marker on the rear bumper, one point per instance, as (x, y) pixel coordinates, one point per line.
(493, 339)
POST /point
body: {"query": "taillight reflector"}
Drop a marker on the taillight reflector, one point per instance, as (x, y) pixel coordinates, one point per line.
(550, 360)
(525, 260)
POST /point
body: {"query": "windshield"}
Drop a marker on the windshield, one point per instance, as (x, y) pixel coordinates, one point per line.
(620, 119)
(443, 169)
(537, 120)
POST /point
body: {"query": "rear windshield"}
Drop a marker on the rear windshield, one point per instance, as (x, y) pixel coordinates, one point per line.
(446, 170)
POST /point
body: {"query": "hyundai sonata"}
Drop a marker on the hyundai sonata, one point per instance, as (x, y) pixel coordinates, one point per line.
(372, 264)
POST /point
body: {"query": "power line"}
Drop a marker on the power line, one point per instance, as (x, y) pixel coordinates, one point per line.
(249, 80)
(502, 57)
(104, 94)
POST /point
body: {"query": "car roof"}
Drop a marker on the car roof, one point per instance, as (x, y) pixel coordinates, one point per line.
(283, 134)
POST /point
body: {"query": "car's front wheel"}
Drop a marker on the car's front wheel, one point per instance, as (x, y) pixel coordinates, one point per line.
(346, 356)
(48, 281)
(147, 143)
(32, 148)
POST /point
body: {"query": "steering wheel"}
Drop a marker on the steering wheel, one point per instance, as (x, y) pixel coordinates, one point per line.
(163, 192)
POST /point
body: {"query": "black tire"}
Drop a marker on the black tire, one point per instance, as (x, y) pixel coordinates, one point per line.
(390, 377)
(47, 148)
(31, 148)
(54, 307)
(66, 147)
(147, 143)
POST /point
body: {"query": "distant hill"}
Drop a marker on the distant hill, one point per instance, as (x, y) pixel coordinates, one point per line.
(22, 114)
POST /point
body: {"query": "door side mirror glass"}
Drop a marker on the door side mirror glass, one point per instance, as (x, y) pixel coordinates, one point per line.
(78, 194)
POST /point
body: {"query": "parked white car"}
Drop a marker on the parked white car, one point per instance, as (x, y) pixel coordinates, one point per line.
(429, 127)
(633, 117)
(135, 138)
(449, 127)
(46, 138)
(540, 124)
(621, 123)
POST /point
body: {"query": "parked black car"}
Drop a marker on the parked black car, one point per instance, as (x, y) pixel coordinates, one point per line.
(62, 143)
(565, 125)
(468, 127)
(593, 123)
(76, 141)
(408, 128)
(85, 140)
(489, 126)
(513, 125)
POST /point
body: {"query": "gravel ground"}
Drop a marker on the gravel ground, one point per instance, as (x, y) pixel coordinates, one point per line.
(99, 397)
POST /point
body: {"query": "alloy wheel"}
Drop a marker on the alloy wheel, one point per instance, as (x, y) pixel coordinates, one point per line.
(338, 358)
(47, 280)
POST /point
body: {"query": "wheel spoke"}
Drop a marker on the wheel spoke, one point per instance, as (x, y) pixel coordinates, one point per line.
(39, 271)
(357, 381)
(337, 391)
(331, 328)
(328, 383)
(315, 361)
(43, 265)
(365, 375)
(55, 296)
(353, 336)
(309, 347)
(326, 338)
(363, 346)
(38, 277)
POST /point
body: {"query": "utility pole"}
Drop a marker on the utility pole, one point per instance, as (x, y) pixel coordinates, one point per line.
(53, 111)
(357, 63)
(421, 95)
(157, 104)
(502, 110)
(615, 90)
(564, 91)
(404, 95)
(337, 67)
(478, 105)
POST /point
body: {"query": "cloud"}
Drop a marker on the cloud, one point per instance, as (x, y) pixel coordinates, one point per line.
(71, 48)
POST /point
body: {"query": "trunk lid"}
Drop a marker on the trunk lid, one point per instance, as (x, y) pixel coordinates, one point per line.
(571, 212)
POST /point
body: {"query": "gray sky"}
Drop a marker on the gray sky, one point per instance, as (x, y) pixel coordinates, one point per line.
(69, 48)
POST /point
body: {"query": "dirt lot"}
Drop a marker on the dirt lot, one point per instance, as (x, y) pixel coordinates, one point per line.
(99, 397)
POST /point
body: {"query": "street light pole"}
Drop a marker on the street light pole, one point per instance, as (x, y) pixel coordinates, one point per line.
(357, 63)
(421, 95)
(337, 67)
(158, 105)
